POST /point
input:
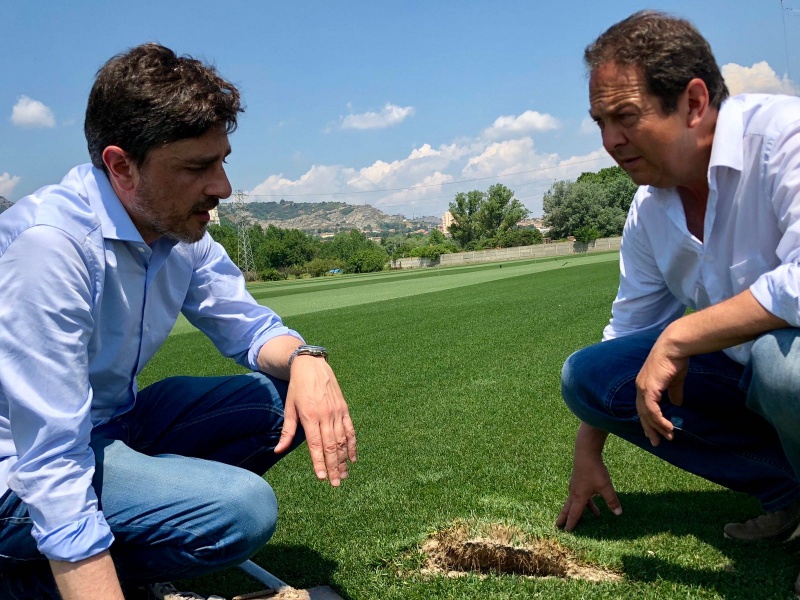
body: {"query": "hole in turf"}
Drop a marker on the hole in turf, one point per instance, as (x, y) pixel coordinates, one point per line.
(501, 549)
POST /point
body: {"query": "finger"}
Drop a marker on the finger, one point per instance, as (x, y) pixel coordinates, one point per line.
(649, 432)
(350, 432)
(288, 430)
(341, 447)
(593, 507)
(651, 418)
(562, 516)
(658, 423)
(314, 442)
(610, 498)
(575, 515)
(675, 390)
(330, 448)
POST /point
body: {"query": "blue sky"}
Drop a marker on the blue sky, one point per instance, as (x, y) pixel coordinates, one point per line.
(397, 105)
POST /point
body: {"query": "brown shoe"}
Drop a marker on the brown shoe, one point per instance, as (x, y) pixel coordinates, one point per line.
(779, 526)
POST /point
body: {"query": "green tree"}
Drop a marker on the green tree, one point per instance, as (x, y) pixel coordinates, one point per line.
(587, 234)
(367, 260)
(466, 227)
(359, 254)
(600, 200)
(226, 235)
(499, 211)
(520, 237)
(436, 237)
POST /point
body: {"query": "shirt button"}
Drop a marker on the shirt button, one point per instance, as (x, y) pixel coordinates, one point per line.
(141, 249)
(147, 328)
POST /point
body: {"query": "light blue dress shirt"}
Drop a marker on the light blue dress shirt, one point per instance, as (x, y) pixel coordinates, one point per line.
(85, 303)
(751, 230)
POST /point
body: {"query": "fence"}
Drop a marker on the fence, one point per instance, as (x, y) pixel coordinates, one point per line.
(500, 254)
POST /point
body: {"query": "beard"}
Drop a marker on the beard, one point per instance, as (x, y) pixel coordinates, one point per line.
(156, 214)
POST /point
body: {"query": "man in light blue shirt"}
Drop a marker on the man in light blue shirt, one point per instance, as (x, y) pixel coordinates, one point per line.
(715, 226)
(100, 482)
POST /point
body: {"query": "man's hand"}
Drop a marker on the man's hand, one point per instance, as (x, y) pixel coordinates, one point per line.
(315, 399)
(589, 478)
(736, 320)
(663, 370)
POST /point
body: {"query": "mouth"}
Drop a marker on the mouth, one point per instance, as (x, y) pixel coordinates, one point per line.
(203, 213)
(629, 163)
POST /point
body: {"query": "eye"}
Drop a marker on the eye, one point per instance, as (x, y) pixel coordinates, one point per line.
(628, 119)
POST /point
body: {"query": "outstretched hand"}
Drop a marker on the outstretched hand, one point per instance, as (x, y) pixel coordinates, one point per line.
(316, 401)
(589, 478)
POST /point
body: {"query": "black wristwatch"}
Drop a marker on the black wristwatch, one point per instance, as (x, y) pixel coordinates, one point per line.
(310, 351)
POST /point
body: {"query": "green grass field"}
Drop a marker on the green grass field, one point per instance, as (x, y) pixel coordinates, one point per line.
(453, 380)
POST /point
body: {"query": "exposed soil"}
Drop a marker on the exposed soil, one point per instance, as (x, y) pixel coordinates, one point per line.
(501, 549)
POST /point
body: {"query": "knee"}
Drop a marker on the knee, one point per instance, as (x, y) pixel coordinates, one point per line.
(578, 371)
(774, 371)
(252, 515)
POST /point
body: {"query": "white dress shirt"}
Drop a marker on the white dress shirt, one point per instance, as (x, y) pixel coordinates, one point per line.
(751, 230)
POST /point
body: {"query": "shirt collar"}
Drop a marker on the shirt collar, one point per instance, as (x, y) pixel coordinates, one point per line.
(114, 219)
(728, 147)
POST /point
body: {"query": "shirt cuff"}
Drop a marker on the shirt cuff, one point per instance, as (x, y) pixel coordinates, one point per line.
(255, 349)
(77, 540)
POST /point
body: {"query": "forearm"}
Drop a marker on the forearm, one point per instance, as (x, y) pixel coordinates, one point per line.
(590, 440)
(93, 577)
(273, 358)
(734, 321)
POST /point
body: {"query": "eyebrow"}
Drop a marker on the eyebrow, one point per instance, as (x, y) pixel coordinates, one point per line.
(210, 158)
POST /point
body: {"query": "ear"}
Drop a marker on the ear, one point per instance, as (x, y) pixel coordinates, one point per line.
(697, 100)
(121, 168)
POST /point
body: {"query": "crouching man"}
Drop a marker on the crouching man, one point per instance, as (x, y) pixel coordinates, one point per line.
(715, 226)
(103, 485)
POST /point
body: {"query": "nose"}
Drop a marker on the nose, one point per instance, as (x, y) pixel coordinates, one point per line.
(613, 137)
(219, 185)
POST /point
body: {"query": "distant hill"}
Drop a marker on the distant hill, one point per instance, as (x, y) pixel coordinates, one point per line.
(5, 204)
(322, 217)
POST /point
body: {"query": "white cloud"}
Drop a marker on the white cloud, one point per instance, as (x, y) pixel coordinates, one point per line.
(588, 126)
(389, 116)
(28, 112)
(760, 78)
(425, 180)
(7, 184)
(527, 122)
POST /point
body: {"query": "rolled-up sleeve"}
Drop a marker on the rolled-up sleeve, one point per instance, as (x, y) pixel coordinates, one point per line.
(220, 306)
(45, 326)
(778, 290)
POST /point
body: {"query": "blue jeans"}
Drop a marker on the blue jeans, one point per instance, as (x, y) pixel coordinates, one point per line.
(738, 426)
(179, 482)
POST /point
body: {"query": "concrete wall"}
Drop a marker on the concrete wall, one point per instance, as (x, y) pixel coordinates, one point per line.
(501, 254)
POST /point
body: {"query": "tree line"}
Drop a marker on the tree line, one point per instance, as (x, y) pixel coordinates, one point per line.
(595, 205)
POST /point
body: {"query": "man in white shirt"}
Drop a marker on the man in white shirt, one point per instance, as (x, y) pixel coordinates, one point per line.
(715, 227)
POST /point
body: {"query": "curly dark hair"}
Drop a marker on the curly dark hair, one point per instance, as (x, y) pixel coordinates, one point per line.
(148, 96)
(669, 51)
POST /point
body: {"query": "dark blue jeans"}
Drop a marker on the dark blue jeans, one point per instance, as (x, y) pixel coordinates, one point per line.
(738, 426)
(179, 482)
